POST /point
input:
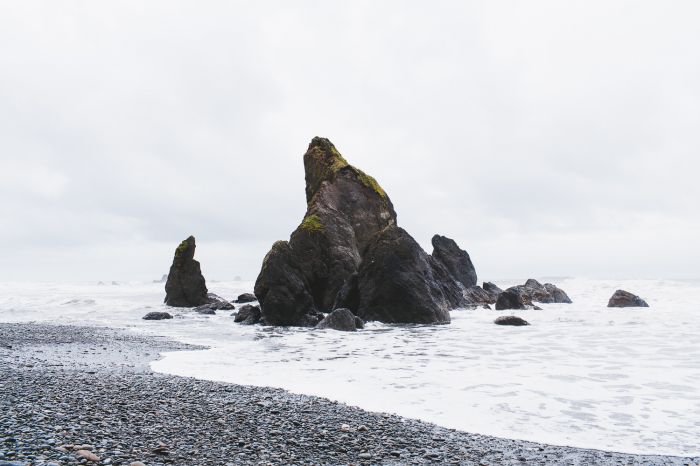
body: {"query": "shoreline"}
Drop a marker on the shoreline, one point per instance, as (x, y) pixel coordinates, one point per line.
(93, 386)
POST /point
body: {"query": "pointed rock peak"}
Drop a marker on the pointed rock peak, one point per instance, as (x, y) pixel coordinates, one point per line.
(185, 251)
(322, 162)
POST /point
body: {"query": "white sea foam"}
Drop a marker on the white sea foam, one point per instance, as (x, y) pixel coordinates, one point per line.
(582, 374)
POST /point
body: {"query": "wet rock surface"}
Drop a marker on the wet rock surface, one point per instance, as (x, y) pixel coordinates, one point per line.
(62, 391)
(622, 298)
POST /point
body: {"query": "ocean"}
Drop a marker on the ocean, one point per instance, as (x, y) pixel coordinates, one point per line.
(581, 375)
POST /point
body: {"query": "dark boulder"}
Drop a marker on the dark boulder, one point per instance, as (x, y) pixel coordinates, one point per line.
(157, 315)
(248, 315)
(492, 290)
(246, 298)
(205, 310)
(510, 320)
(185, 286)
(328, 261)
(456, 260)
(623, 298)
(340, 319)
(218, 303)
(558, 295)
(515, 298)
(537, 292)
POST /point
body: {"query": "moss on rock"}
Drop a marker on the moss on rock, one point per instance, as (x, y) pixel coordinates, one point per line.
(312, 224)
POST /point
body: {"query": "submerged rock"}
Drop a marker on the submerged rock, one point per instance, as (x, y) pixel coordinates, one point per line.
(330, 260)
(185, 286)
(510, 320)
(157, 315)
(622, 298)
(340, 319)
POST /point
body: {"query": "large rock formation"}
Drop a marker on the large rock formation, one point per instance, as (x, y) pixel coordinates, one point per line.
(185, 286)
(623, 298)
(348, 252)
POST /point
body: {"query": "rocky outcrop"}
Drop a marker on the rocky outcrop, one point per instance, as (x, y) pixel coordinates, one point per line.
(157, 315)
(341, 319)
(246, 298)
(185, 286)
(456, 260)
(623, 298)
(511, 320)
(332, 259)
(248, 315)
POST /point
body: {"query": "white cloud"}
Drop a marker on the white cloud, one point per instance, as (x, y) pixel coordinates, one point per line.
(516, 127)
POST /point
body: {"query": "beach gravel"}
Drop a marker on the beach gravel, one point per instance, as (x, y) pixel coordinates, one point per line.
(86, 396)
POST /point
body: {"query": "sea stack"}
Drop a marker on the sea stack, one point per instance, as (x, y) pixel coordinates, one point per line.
(186, 286)
(348, 252)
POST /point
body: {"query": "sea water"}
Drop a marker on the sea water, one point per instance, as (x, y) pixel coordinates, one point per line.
(581, 375)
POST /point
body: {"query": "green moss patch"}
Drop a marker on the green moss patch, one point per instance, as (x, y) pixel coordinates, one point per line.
(312, 224)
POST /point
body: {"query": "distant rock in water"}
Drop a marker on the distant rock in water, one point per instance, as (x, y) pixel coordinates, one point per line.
(246, 298)
(157, 316)
(532, 290)
(331, 260)
(623, 298)
(511, 320)
(341, 319)
(248, 315)
(455, 260)
(185, 286)
(163, 279)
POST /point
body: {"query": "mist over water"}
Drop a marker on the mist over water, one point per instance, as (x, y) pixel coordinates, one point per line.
(581, 374)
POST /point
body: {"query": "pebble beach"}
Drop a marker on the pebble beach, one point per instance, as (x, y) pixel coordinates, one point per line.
(74, 395)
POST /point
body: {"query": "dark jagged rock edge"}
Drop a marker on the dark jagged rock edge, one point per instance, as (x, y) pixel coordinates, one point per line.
(80, 385)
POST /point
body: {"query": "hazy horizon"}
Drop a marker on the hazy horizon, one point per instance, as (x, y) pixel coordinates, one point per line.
(546, 138)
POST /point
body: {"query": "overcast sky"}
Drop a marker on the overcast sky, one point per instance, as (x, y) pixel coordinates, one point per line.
(545, 137)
